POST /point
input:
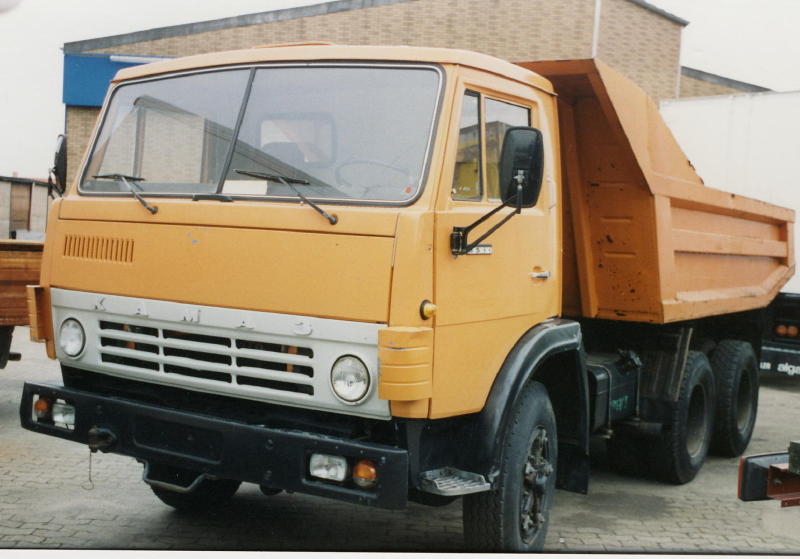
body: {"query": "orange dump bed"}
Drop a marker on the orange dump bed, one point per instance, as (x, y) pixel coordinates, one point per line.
(644, 239)
(20, 262)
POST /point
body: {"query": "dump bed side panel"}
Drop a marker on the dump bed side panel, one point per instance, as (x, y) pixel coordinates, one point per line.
(644, 239)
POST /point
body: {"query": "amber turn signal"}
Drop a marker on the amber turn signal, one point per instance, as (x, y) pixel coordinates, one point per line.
(781, 329)
(365, 474)
(792, 331)
(42, 408)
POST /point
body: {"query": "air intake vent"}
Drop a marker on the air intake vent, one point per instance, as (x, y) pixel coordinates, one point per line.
(98, 248)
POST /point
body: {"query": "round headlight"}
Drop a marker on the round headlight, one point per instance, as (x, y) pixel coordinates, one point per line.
(350, 379)
(71, 338)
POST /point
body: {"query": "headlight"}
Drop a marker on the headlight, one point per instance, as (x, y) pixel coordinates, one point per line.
(326, 466)
(350, 379)
(71, 337)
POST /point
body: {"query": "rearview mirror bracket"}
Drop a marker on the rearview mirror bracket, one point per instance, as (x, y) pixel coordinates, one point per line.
(459, 243)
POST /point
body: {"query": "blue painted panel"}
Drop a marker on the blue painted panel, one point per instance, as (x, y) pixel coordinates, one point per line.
(86, 76)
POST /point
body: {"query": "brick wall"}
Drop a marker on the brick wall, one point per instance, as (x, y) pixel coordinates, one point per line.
(693, 87)
(642, 45)
(80, 123)
(510, 29)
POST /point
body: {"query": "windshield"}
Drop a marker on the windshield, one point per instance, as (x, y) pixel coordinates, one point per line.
(336, 132)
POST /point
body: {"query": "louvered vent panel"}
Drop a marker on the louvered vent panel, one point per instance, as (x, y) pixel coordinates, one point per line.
(98, 248)
(261, 366)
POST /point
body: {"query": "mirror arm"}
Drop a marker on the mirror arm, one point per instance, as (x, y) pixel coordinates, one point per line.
(53, 186)
(459, 244)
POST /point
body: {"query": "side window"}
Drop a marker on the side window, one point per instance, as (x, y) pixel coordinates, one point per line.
(467, 177)
(500, 116)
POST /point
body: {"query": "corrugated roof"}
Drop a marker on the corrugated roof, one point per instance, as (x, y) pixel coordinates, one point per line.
(266, 17)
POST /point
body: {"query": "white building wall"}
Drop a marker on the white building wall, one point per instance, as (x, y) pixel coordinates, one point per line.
(40, 203)
(747, 144)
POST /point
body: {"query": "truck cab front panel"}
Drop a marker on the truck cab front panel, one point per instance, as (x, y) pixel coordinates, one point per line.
(269, 357)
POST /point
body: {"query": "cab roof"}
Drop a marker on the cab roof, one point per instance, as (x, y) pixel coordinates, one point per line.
(330, 52)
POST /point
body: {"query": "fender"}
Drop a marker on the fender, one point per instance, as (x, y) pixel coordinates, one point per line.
(532, 350)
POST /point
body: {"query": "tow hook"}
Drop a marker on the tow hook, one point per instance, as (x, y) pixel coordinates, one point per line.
(100, 438)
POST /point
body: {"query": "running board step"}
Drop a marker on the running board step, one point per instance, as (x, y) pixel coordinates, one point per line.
(452, 482)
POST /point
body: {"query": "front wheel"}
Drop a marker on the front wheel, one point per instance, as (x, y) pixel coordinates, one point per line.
(515, 514)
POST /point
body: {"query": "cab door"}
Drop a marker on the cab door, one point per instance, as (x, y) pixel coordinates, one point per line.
(488, 299)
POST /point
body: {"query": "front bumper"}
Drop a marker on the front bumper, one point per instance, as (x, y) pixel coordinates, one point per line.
(219, 447)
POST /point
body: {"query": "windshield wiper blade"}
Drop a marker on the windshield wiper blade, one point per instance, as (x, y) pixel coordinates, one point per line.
(129, 185)
(288, 182)
(269, 177)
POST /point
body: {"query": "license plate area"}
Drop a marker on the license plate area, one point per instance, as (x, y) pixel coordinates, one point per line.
(180, 440)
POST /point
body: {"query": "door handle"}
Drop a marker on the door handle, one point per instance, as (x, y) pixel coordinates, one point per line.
(541, 275)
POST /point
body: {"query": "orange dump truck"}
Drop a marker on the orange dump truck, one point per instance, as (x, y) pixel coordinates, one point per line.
(382, 274)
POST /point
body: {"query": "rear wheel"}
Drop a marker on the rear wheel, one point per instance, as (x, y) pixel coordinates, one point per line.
(680, 451)
(734, 365)
(209, 494)
(514, 516)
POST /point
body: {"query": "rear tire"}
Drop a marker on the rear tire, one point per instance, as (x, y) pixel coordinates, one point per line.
(680, 452)
(736, 372)
(515, 514)
(209, 494)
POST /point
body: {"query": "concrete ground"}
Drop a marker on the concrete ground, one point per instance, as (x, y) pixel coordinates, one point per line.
(46, 500)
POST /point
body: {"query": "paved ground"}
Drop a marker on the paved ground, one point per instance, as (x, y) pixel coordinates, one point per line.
(44, 501)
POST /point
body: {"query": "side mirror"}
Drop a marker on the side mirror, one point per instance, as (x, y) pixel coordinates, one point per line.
(522, 157)
(59, 169)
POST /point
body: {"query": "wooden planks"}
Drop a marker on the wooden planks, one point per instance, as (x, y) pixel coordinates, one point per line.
(20, 263)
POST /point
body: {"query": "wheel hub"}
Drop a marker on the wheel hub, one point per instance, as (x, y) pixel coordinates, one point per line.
(535, 476)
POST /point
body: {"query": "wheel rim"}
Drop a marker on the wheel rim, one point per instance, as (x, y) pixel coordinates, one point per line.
(696, 421)
(744, 403)
(536, 473)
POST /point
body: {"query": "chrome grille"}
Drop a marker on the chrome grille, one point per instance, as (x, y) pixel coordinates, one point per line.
(228, 361)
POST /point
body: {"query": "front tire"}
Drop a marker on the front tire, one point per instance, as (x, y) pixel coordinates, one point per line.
(514, 515)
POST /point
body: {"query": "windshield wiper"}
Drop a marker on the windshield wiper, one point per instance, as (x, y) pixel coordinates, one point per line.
(288, 181)
(129, 185)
